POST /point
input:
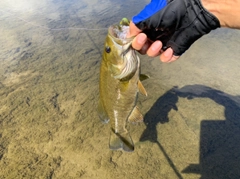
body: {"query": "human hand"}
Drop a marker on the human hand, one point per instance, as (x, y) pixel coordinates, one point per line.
(146, 46)
(169, 28)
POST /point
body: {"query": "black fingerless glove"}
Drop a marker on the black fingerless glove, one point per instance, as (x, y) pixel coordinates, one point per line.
(178, 24)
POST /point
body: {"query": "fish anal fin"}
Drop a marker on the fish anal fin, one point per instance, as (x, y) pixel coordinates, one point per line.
(102, 113)
(121, 141)
(141, 88)
(135, 116)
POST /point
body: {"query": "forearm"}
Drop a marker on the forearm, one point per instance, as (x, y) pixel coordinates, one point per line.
(227, 11)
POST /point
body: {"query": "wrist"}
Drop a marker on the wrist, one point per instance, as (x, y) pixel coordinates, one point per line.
(226, 11)
(213, 7)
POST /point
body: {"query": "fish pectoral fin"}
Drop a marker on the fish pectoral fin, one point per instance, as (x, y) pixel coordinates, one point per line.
(102, 113)
(143, 77)
(121, 141)
(135, 116)
(141, 88)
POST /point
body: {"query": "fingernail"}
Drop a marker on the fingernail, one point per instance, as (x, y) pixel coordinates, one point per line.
(167, 53)
(156, 46)
(141, 39)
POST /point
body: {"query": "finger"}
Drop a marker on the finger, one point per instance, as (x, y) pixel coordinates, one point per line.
(133, 30)
(155, 49)
(145, 47)
(139, 41)
(174, 58)
(167, 56)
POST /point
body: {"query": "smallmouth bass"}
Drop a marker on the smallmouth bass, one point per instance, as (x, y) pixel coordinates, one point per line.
(119, 86)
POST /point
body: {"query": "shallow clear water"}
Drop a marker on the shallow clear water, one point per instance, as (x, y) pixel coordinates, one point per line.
(49, 71)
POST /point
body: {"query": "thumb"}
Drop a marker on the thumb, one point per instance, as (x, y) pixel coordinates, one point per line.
(133, 30)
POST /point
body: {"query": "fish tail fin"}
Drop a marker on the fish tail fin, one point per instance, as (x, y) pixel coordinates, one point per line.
(121, 141)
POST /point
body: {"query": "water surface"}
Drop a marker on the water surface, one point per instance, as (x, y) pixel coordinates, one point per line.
(49, 72)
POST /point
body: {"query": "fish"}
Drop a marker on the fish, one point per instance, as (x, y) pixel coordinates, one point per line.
(119, 85)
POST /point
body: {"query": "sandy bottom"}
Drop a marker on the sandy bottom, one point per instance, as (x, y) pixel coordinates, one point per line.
(49, 127)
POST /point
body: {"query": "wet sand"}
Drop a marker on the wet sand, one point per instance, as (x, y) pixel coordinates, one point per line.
(49, 127)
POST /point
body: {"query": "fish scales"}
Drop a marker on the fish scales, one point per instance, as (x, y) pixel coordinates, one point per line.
(119, 86)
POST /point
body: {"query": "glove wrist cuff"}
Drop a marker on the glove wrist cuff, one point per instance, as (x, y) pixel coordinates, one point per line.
(212, 20)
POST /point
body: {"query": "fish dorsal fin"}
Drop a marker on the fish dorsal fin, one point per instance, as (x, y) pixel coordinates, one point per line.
(141, 88)
(135, 116)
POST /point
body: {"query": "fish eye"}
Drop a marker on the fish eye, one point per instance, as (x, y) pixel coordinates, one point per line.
(107, 49)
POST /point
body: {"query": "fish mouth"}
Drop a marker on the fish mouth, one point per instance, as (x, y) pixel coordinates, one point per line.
(118, 34)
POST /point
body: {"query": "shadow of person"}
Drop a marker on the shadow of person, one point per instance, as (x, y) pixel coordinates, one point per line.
(219, 152)
(219, 139)
(158, 114)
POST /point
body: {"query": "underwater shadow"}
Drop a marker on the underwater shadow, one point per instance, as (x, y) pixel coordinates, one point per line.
(219, 152)
(159, 114)
(219, 139)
